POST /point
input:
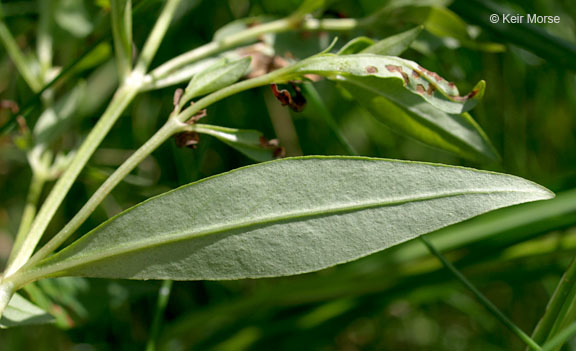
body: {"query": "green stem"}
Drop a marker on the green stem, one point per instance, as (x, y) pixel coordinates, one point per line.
(163, 296)
(156, 36)
(317, 102)
(121, 99)
(6, 292)
(124, 95)
(121, 16)
(483, 300)
(171, 127)
(36, 185)
(250, 34)
(174, 125)
(45, 39)
(559, 339)
(558, 306)
(17, 56)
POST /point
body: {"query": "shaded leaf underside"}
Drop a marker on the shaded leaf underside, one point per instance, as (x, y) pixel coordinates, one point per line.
(285, 217)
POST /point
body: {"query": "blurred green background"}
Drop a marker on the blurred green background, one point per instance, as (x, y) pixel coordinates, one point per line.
(400, 299)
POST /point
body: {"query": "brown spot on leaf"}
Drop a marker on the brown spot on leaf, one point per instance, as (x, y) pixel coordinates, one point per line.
(472, 93)
(405, 77)
(394, 68)
(466, 97)
(415, 74)
(434, 75)
(420, 89)
(371, 69)
(431, 89)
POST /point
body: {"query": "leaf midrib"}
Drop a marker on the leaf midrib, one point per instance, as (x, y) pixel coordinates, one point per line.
(150, 242)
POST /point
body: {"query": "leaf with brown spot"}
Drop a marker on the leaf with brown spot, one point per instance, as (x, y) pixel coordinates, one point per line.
(444, 96)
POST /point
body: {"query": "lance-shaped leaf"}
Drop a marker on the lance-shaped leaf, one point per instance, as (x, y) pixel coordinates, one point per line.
(409, 115)
(21, 312)
(249, 142)
(221, 74)
(355, 46)
(429, 85)
(394, 45)
(284, 217)
(395, 91)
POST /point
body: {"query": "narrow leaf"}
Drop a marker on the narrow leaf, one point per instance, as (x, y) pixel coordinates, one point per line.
(409, 115)
(284, 217)
(394, 45)
(355, 46)
(429, 85)
(249, 142)
(307, 7)
(21, 312)
(122, 33)
(444, 23)
(410, 100)
(219, 75)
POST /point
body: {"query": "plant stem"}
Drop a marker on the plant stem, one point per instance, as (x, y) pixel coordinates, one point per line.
(45, 39)
(17, 56)
(121, 16)
(250, 34)
(36, 185)
(124, 95)
(174, 125)
(558, 306)
(560, 338)
(156, 36)
(6, 292)
(120, 101)
(163, 296)
(481, 298)
(171, 127)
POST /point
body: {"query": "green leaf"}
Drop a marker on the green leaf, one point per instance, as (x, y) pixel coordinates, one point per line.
(407, 114)
(356, 45)
(249, 142)
(308, 6)
(221, 74)
(444, 23)
(410, 100)
(429, 85)
(121, 18)
(394, 45)
(21, 312)
(284, 217)
(181, 75)
(72, 16)
(234, 27)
